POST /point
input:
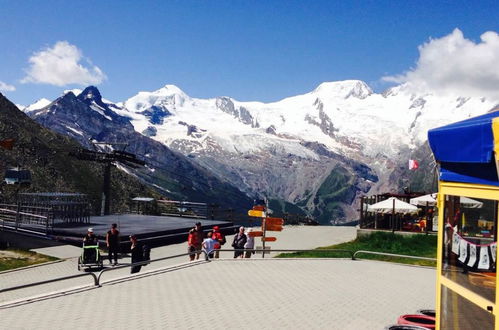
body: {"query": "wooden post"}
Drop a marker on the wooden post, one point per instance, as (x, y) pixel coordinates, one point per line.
(427, 219)
(264, 227)
(393, 216)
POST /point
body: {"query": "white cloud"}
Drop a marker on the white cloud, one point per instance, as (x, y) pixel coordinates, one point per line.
(61, 65)
(455, 65)
(6, 87)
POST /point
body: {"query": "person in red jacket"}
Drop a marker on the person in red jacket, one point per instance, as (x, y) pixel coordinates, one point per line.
(220, 238)
(194, 241)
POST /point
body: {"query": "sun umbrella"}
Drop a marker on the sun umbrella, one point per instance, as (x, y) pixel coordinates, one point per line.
(392, 205)
(431, 200)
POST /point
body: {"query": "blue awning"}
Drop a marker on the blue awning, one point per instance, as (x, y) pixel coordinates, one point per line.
(465, 150)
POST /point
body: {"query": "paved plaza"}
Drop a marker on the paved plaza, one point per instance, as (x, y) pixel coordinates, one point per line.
(226, 293)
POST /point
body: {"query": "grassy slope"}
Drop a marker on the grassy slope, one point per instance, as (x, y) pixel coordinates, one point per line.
(414, 245)
(22, 259)
(336, 189)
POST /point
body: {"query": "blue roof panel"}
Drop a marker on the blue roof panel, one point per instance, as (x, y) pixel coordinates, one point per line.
(467, 141)
(465, 150)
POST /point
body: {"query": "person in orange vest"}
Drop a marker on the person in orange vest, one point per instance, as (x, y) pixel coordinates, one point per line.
(422, 224)
(220, 238)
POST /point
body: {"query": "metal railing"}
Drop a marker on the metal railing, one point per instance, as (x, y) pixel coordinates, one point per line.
(352, 254)
(97, 277)
(392, 255)
(143, 263)
(263, 252)
(69, 277)
(19, 215)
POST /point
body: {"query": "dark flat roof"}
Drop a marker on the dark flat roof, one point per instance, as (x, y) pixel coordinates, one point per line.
(138, 224)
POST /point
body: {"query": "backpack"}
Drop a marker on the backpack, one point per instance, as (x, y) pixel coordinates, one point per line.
(223, 241)
(146, 253)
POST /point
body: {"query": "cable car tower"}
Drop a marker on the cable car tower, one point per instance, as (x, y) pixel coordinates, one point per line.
(108, 158)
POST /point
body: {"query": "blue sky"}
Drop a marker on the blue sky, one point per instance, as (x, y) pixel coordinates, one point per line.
(249, 50)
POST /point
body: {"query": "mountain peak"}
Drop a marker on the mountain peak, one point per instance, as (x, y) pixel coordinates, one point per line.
(75, 91)
(344, 89)
(168, 90)
(168, 95)
(41, 103)
(91, 93)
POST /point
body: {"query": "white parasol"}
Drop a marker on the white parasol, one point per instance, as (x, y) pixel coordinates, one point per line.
(392, 205)
(431, 200)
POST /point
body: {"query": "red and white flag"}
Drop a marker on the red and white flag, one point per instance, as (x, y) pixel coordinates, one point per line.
(413, 164)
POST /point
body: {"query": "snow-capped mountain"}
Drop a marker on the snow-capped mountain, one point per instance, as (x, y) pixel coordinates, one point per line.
(41, 103)
(87, 118)
(346, 117)
(318, 151)
(293, 148)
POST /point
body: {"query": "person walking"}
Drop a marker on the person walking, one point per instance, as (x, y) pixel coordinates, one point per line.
(220, 238)
(238, 243)
(136, 252)
(191, 246)
(195, 241)
(113, 244)
(249, 245)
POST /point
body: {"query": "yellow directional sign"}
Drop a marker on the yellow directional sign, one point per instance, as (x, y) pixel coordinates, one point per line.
(255, 213)
(255, 233)
(269, 239)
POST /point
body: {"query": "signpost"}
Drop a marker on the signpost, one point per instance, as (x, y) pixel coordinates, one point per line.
(256, 213)
(275, 221)
(268, 224)
(273, 227)
(259, 208)
(255, 233)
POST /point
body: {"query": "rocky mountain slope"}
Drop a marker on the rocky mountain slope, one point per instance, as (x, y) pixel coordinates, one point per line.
(46, 155)
(93, 123)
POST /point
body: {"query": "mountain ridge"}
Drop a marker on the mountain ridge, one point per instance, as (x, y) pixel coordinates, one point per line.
(89, 120)
(341, 133)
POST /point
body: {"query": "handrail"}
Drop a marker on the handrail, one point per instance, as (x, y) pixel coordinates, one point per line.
(352, 254)
(290, 250)
(146, 262)
(97, 278)
(392, 255)
(24, 213)
(51, 281)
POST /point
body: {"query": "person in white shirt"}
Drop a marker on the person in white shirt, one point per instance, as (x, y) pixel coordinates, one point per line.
(249, 245)
(209, 244)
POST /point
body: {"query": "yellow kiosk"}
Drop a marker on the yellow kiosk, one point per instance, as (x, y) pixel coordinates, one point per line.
(468, 154)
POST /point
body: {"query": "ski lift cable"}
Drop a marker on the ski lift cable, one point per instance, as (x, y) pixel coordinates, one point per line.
(183, 179)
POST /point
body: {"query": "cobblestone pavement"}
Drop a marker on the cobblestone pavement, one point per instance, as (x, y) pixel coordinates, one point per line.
(298, 237)
(247, 294)
(61, 252)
